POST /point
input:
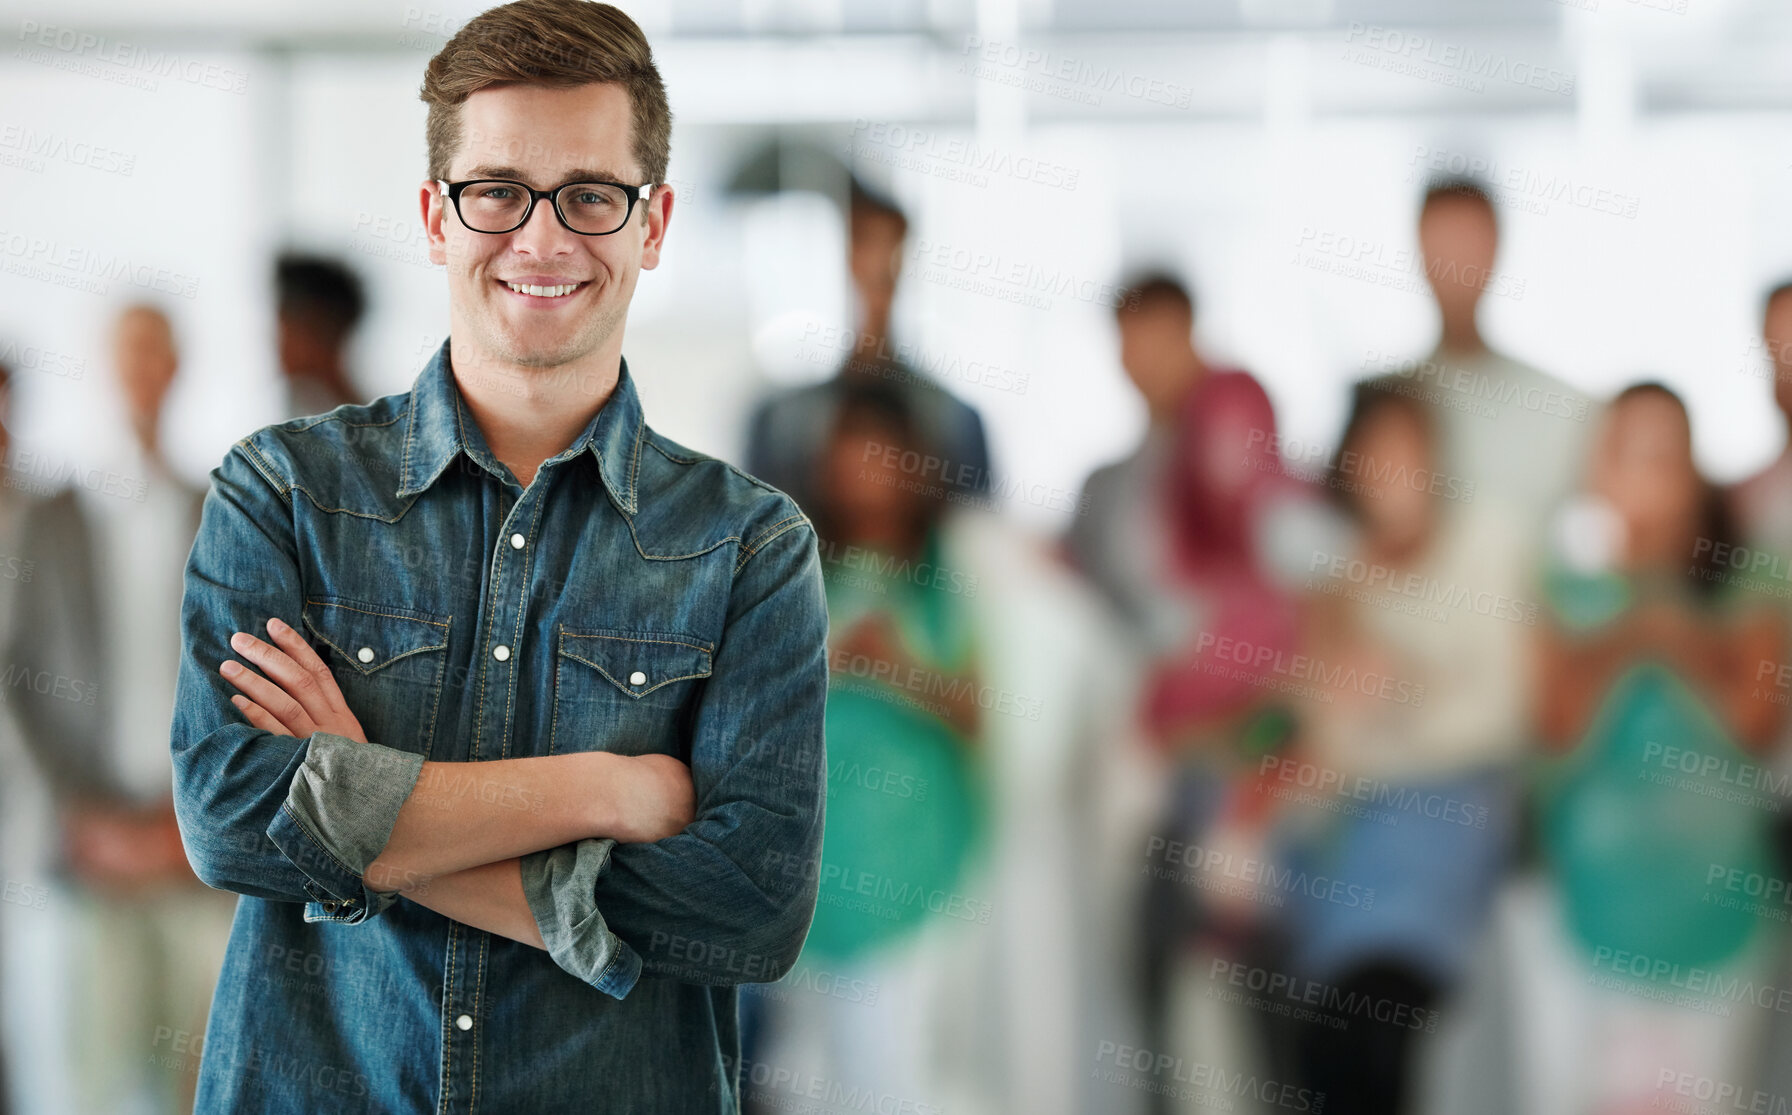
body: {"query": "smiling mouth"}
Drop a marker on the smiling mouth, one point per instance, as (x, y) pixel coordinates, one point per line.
(561, 290)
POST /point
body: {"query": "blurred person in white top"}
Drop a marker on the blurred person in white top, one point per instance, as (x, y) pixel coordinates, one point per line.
(1116, 537)
(1763, 502)
(146, 938)
(1514, 432)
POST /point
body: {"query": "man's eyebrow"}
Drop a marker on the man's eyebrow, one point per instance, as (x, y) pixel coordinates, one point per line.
(581, 174)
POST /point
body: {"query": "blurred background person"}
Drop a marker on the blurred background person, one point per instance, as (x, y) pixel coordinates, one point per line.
(1762, 502)
(1414, 752)
(1112, 542)
(146, 938)
(319, 304)
(1513, 431)
(786, 432)
(1213, 703)
(1650, 651)
(946, 870)
(51, 727)
(1760, 507)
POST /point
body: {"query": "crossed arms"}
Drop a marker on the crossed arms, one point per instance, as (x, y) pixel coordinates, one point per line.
(460, 854)
(628, 860)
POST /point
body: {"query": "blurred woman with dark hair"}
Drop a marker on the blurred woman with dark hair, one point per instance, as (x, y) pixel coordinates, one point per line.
(1651, 679)
(967, 677)
(1416, 631)
(1216, 705)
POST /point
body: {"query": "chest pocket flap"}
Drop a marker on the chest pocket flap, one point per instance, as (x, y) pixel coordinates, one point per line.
(371, 637)
(638, 662)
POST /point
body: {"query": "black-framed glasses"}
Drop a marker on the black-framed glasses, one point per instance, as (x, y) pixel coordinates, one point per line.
(498, 205)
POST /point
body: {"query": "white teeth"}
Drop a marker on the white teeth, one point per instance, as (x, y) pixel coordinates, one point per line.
(543, 291)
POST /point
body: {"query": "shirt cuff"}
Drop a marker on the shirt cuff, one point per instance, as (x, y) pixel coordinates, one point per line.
(336, 820)
(561, 886)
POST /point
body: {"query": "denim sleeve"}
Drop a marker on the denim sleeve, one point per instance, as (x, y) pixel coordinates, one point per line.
(257, 811)
(729, 899)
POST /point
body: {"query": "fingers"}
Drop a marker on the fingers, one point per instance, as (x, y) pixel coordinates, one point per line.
(290, 717)
(260, 718)
(296, 648)
(298, 683)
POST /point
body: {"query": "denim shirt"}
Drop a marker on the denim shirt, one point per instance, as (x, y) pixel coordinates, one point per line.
(636, 597)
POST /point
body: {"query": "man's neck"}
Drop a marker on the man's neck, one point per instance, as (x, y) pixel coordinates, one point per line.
(1462, 339)
(529, 414)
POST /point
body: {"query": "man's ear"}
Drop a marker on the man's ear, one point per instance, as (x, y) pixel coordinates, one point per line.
(659, 215)
(433, 203)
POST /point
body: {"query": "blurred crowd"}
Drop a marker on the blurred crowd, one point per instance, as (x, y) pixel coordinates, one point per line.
(1442, 769)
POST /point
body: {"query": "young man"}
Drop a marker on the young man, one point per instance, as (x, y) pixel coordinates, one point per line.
(1518, 434)
(484, 627)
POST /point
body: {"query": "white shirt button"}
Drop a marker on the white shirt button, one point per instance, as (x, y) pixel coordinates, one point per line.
(516, 541)
(464, 1022)
(365, 654)
(501, 653)
(637, 678)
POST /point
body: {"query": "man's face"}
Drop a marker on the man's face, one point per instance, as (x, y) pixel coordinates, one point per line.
(1459, 240)
(1154, 351)
(545, 137)
(144, 355)
(874, 257)
(1776, 330)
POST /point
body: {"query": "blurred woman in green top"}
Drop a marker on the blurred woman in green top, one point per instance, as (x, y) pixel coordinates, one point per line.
(1650, 688)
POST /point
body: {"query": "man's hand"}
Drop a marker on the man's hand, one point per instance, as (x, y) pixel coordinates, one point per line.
(650, 797)
(298, 696)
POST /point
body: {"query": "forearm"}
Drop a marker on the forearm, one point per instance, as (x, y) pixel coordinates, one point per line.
(489, 897)
(465, 815)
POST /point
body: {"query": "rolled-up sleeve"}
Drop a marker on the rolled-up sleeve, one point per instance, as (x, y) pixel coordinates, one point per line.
(729, 899)
(266, 815)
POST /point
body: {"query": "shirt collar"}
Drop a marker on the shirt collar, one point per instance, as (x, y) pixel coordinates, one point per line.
(440, 427)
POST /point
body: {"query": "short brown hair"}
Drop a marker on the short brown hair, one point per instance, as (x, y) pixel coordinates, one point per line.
(548, 42)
